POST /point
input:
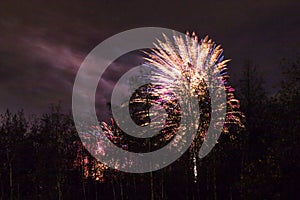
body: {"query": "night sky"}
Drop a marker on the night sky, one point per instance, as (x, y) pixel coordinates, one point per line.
(42, 43)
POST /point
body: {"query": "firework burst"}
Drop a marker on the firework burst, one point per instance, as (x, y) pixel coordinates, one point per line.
(180, 64)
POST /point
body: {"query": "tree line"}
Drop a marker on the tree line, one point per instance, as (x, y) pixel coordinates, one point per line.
(42, 157)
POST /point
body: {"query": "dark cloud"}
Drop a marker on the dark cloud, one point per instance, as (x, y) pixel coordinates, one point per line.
(42, 43)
